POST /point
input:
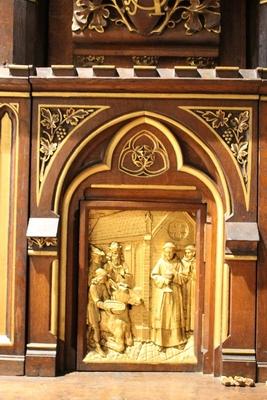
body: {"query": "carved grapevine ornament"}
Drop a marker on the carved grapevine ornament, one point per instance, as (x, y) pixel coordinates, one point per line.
(233, 128)
(55, 125)
(147, 17)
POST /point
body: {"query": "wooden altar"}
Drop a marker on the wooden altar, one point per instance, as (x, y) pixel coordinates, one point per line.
(66, 134)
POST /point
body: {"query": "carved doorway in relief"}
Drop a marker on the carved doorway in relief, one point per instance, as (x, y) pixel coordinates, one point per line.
(140, 286)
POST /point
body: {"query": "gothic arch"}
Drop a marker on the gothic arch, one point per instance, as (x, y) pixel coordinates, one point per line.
(220, 210)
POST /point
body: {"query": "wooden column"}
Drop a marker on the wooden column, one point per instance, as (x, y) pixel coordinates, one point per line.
(14, 186)
(238, 350)
(261, 343)
(42, 320)
(233, 36)
(262, 33)
(23, 32)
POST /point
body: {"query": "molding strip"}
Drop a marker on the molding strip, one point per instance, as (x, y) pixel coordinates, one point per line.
(41, 346)
(147, 95)
(11, 357)
(54, 298)
(239, 351)
(225, 302)
(137, 187)
(15, 94)
(234, 257)
(40, 253)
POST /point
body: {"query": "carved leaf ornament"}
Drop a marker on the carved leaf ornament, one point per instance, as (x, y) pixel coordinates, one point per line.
(144, 155)
(55, 126)
(233, 128)
(41, 242)
(147, 17)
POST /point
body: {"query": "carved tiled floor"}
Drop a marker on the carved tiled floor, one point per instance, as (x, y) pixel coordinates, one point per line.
(147, 352)
(125, 386)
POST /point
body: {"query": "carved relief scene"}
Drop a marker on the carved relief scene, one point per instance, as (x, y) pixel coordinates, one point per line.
(141, 287)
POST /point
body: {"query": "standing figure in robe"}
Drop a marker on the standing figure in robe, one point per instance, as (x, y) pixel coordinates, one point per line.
(97, 295)
(168, 322)
(188, 268)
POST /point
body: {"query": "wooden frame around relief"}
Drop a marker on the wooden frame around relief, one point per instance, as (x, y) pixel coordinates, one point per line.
(200, 216)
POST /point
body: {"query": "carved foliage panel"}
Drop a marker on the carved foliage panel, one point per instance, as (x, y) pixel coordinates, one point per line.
(56, 124)
(147, 18)
(233, 126)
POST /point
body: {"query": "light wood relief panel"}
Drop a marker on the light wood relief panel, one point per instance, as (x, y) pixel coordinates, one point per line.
(127, 249)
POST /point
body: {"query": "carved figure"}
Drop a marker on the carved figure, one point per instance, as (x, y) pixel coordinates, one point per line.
(98, 294)
(97, 260)
(168, 323)
(108, 314)
(116, 268)
(188, 268)
(116, 324)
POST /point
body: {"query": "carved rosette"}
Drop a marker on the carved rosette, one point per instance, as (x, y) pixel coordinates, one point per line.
(144, 156)
(233, 127)
(41, 242)
(56, 124)
(149, 17)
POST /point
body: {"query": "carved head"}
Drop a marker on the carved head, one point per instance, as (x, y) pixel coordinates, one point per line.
(189, 252)
(100, 276)
(115, 253)
(97, 256)
(169, 251)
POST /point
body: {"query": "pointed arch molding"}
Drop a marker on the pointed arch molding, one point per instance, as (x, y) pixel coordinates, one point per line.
(233, 127)
(9, 151)
(157, 121)
(57, 123)
(154, 120)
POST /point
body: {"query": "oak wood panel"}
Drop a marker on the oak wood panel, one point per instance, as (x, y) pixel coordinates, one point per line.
(39, 300)
(233, 36)
(59, 36)
(262, 262)
(242, 305)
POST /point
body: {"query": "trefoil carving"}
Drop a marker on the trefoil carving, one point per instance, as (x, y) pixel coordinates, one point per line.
(144, 156)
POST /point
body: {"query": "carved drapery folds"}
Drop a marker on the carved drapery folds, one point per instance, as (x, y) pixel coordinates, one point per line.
(147, 18)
